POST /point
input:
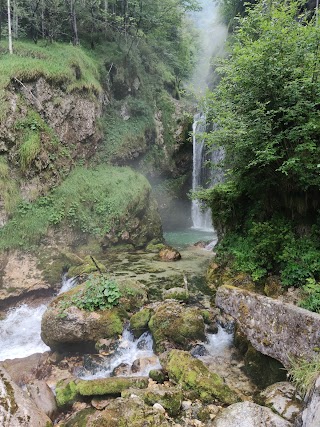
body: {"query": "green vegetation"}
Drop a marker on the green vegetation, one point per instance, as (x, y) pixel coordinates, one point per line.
(99, 293)
(90, 201)
(266, 111)
(304, 373)
(8, 187)
(312, 295)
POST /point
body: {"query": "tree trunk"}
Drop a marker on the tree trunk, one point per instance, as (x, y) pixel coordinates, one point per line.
(9, 29)
(73, 19)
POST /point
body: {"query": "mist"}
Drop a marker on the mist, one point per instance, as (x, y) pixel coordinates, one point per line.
(212, 35)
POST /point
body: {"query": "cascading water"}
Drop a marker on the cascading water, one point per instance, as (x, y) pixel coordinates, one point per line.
(21, 328)
(129, 350)
(206, 173)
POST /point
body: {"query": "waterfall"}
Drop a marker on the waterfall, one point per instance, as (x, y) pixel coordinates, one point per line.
(204, 173)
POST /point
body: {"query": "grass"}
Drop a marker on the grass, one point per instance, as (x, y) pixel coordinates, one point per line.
(303, 373)
(90, 201)
(8, 187)
(64, 65)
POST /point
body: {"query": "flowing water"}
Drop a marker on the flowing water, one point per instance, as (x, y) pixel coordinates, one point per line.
(21, 328)
(128, 351)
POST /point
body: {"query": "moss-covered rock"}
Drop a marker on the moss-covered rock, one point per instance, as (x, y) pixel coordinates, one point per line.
(180, 294)
(157, 375)
(88, 265)
(176, 324)
(66, 393)
(168, 397)
(63, 325)
(139, 322)
(109, 386)
(169, 254)
(133, 294)
(193, 375)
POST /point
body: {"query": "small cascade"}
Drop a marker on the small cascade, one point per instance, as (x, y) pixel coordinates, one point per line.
(203, 174)
(67, 284)
(20, 332)
(128, 351)
(21, 328)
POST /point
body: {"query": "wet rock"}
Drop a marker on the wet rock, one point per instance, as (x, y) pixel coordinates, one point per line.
(169, 254)
(268, 324)
(122, 370)
(179, 294)
(140, 365)
(100, 403)
(193, 375)
(107, 346)
(43, 397)
(16, 408)
(283, 399)
(93, 362)
(248, 414)
(199, 350)
(158, 375)
(174, 324)
(139, 322)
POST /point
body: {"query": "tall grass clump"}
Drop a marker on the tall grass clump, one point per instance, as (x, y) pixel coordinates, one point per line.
(303, 373)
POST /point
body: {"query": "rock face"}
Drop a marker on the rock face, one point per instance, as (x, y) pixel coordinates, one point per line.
(17, 409)
(20, 276)
(248, 414)
(43, 397)
(311, 415)
(279, 330)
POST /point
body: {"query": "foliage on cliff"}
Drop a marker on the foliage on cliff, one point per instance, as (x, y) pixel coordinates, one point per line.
(266, 111)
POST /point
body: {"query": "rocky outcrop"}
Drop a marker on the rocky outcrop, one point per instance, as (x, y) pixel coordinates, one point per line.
(248, 414)
(20, 276)
(16, 408)
(311, 414)
(279, 330)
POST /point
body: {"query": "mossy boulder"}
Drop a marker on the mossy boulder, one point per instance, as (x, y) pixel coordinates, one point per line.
(193, 375)
(158, 375)
(133, 294)
(65, 327)
(109, 386)
(139, 322)
(176, 324)
(168, 397)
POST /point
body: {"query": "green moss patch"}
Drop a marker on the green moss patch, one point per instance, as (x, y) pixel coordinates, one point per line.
(193, 375)
(113, 385)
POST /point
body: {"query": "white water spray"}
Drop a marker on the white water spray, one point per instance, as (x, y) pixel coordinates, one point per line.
(129, 350)
(20, 330)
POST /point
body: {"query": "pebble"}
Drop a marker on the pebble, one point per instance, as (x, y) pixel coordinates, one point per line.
(159, 408)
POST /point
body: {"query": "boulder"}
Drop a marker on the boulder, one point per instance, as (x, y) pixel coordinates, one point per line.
(268, 324)
(248, 414)
(191, 374)
(43, 397)
(16, 408)
(169, 254)
(77, 326)
(66, 326)
(283, 399)
(173, 324)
